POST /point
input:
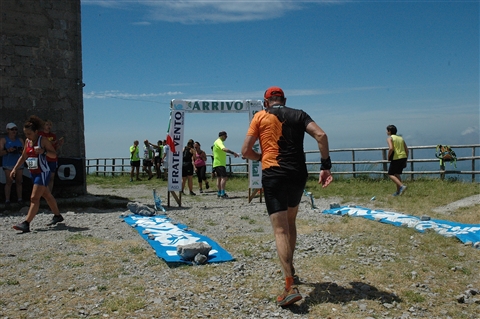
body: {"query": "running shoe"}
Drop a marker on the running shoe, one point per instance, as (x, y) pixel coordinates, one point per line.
(55, 220)
(395, 194)
(402, 189)
(207, 186)
(296, 279)
(224, 196)
(289, 297)
(23, 226)
(192, 193)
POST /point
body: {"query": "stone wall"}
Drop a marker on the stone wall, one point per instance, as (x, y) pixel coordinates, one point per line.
(41, 70)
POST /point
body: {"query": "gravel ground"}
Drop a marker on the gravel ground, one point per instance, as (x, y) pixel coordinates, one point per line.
(95, 266)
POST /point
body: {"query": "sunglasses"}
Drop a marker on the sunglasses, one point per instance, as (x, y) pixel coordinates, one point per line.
(13, 129)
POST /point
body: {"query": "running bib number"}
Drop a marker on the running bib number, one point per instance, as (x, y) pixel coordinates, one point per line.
(32, 162)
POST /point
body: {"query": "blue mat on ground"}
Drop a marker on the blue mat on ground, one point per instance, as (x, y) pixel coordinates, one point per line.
(168, 235)
(466, 233)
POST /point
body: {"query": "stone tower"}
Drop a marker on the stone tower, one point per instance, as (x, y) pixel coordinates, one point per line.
(41, 74)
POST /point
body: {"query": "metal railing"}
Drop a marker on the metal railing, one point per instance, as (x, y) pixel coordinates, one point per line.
(376, 163)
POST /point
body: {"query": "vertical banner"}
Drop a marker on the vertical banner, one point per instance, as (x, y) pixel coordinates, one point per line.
(255, 167)
(175, 159)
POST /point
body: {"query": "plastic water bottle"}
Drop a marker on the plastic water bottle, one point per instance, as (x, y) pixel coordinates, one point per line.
(158, 201)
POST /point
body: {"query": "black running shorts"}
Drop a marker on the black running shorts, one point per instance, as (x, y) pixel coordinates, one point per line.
(282, 192)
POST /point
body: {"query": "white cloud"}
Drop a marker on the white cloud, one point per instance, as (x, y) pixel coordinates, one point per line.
(470, 130)
(212, 11)
(126, 96)
(142, 23)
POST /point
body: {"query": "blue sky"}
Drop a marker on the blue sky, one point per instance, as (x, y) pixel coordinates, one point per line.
(354, 66)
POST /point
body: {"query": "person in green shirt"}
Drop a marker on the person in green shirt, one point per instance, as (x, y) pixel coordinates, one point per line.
(220, 162)
(397, 155)
(134, 160)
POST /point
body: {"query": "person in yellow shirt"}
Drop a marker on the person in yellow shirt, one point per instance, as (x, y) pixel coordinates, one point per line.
(220, 162)
(134, 161)
(397, 155)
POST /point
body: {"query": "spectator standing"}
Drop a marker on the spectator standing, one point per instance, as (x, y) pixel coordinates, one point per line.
(397, 155)
(281, 131)
(11, 148)
(52, 162)
(220, 163)
(201, 166)
(166, 153)
(35, 153)
(134, 161)
(148, 158)
(158, 158)
(189, 155)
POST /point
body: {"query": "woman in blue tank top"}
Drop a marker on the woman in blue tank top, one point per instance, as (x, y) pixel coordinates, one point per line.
(11, 147)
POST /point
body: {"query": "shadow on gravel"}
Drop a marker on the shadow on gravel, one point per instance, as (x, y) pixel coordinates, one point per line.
(331, 292)
(62, 227)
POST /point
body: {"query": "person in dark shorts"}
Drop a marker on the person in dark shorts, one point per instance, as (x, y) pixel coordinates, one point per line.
(134, 161)
(220, 162)
(158, 158)
(281, 130)
(187, 167)
(397, 155)
(201, 166)
(34, 155)
(148, 153)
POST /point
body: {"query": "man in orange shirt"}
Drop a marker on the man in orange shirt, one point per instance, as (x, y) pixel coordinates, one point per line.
(281, 130)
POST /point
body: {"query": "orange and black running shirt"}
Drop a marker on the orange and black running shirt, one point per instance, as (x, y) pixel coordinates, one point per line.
(281, 131)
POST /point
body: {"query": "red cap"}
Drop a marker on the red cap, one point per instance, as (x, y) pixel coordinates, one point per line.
(274, 91)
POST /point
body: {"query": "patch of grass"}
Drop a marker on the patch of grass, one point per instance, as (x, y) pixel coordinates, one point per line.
(125, 304)
(250, 220)
(413, 297)
(10, 282)
(136, 250)
(82, 239)
(75, 264)
(211, 222)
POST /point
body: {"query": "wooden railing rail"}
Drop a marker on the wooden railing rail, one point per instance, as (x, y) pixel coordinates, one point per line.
(378, 165)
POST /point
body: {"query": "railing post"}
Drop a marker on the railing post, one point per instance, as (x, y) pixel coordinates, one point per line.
(113, 167)
(411, 165)
(353, 165)
(473, 164)
(385, 165)
(96, 167)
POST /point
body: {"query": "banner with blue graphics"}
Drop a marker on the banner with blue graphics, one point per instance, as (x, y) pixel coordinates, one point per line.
(466, 233)
(164, 236)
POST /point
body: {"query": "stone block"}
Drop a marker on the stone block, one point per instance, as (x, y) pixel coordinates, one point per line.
(188, 252)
